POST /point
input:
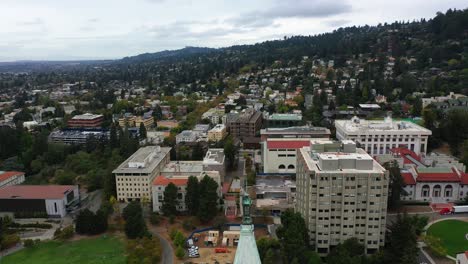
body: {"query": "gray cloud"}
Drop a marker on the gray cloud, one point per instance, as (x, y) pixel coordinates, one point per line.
(296, 9)
(337, 22)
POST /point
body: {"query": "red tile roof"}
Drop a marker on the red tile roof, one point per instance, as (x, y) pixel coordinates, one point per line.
(403, 152)
(408, 178)
(161, 180)
(438, 177)
(290, 144)
(8, 174)
(35, 191)
(464, 178)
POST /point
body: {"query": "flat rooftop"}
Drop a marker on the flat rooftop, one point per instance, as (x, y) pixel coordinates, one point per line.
(144, 160)
(87, 116)
(296, 130)
(279, 117)
(195, 167)
(214, 155)
(338, 161)
(35, 191)
(357, 125)
(218, 128)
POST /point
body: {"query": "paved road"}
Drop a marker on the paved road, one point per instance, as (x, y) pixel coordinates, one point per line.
(433, 216)
(167, 254)
(422, 259)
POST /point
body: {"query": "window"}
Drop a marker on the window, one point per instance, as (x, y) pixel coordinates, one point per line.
(425, 191)
(55, 206)
(448, 191)
(436, 191)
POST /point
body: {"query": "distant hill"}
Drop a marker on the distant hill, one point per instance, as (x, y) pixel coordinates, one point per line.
(146, 57)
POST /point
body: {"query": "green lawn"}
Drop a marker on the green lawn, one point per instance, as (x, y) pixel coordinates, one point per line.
(105, 249)
(452, 233)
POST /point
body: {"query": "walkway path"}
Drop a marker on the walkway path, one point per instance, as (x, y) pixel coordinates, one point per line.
(167, 250)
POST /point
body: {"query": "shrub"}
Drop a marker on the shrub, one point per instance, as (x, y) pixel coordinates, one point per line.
(187, 224)
(68, 232)
(10, 241)
(31, 225)
(173, 233)
(435, 246)
(28, 243)
(64, 234)
(31, 215)
(179, 239)
(180, 252)
(172, 219)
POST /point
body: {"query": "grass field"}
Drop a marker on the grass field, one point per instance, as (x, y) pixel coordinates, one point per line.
(452, 233)
(102, 250)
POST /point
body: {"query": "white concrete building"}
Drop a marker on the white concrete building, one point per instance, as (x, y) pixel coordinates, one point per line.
(279, 154)
(186, 136)
(8, 178)
(134, 177)
(341, 193)
(377, 137)
(214, 161)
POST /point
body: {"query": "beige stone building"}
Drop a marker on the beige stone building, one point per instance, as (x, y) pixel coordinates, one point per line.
(217, 133)
(341, 193)
(134, 177)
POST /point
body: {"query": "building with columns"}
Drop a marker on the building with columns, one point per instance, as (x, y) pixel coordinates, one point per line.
(377, 137)
(434, 178)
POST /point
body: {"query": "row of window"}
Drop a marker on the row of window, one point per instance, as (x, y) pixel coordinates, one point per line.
(133, 189)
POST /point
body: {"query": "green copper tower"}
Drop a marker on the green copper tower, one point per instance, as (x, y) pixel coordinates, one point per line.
(247, 251)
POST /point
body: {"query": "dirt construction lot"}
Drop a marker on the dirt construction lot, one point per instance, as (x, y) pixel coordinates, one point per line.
(207, 255)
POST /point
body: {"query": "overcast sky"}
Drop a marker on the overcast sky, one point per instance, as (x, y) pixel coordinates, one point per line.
(98, 29)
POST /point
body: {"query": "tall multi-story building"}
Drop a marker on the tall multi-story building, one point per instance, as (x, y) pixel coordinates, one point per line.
(377, 137)
(134, 177)
(86, 120)
(245, 124)
(341, 193)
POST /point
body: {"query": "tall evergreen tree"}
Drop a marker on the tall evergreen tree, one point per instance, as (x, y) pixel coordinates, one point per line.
(396, 184)
(293, 236)
(169, 206)
(113, 139)
(142, 131)
(208, 206)
(402, 244)
(192, 195)
(135, 226)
